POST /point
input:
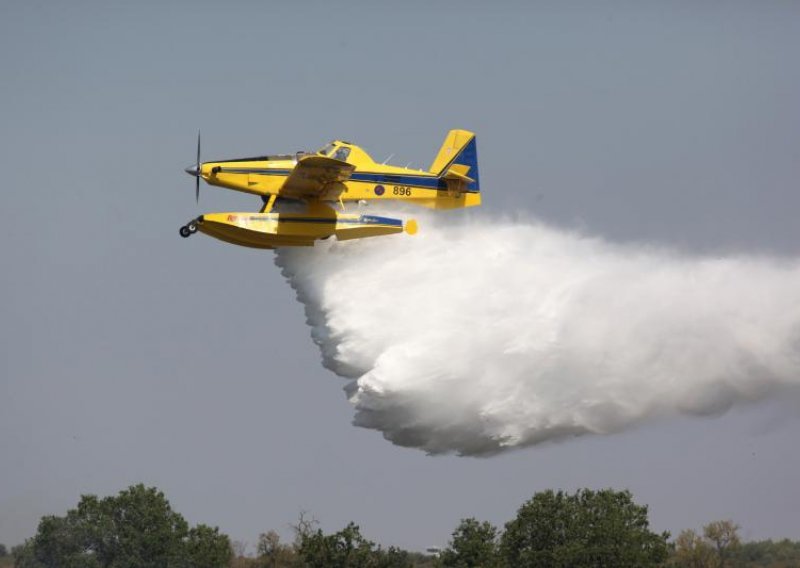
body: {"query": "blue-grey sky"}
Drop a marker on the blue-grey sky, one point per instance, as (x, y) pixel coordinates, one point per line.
(128, 354)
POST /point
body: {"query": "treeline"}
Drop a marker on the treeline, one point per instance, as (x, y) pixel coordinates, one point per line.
(719, 545)
(138, 529)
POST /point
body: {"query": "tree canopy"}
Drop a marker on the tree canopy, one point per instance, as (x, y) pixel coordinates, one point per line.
(136, 528)
(346, 548)
(587, 528)
(474, 543)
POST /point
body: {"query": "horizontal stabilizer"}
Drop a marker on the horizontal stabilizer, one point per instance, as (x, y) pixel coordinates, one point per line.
(452, 174)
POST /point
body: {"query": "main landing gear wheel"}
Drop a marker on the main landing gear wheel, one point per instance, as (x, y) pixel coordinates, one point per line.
(189, 229)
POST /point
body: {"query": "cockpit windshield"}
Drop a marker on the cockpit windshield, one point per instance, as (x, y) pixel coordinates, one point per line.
(327, 150)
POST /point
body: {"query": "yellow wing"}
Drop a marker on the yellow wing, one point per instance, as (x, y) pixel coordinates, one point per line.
(316, 176)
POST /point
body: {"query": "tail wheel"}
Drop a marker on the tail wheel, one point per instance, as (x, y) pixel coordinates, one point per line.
(185, 232)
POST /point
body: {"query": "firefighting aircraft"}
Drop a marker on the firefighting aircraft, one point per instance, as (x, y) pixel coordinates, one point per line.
(304, 194)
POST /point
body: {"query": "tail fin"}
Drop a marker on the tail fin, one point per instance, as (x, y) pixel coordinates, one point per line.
(457, 161)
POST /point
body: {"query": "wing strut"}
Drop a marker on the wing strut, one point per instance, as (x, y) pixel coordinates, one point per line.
(269, 204)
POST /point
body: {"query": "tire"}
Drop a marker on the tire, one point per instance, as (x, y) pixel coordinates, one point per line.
(185, 232)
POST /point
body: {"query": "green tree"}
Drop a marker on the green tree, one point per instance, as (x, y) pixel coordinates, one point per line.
(135, 529)
(584, 529)
(346, 548)
(783, 553)
(24, 557)
(3, 551)
(60, 542)
(206, 547)
(393, 557)
(473, 544)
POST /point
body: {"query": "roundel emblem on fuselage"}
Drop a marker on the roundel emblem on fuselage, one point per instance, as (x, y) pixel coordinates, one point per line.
(379, 189)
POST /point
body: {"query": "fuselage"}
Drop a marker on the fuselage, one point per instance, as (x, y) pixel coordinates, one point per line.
(265, 175)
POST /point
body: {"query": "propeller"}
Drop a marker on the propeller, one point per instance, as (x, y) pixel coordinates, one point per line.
(195, 171)
(197, 176)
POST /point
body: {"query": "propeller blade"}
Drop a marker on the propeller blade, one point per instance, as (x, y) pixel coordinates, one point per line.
(197, 179)
(198, 148)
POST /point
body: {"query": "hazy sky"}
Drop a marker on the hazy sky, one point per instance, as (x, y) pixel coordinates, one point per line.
(128, 354)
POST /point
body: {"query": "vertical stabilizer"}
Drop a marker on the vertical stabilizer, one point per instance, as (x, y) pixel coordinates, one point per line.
(458, 159)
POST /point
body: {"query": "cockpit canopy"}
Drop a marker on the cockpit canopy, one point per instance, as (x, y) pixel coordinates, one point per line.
(337, 151)
(345, 152)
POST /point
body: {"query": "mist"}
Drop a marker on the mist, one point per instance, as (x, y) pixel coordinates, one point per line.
(481, 335)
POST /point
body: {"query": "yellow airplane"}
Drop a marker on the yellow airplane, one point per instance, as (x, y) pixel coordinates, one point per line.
(304, 194)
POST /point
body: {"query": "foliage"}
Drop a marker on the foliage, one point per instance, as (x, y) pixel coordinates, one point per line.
(3, 550)
(720, 546)
(346, 549)
(24, 556)
(720, 539)
(420, 560)
(724, 537)
(206, 547)
(274, 554)
(768, 553)
(473, 544)
(588, 528)
(691, 551)
(136, 528)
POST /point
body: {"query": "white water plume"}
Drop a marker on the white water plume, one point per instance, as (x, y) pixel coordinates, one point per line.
(483, 336)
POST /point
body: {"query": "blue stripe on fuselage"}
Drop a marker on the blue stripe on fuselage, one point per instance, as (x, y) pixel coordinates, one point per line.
(426, 181)
(429, 182)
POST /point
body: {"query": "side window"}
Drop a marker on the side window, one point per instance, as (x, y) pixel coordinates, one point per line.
(341, 154)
